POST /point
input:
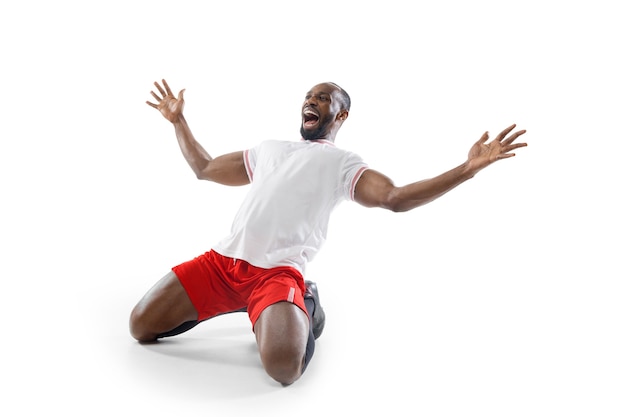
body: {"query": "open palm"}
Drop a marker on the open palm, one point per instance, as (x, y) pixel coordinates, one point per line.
(170, 107)
(483, 154)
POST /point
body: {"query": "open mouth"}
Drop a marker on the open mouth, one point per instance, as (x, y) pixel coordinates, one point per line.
(309, 118)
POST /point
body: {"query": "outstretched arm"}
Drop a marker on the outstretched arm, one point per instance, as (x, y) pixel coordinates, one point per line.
(228, 169)
(377, 190)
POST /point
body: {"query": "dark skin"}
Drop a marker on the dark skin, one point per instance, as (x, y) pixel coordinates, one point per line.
(282, 328)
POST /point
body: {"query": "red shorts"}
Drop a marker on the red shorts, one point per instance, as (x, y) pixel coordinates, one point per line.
(217, 284)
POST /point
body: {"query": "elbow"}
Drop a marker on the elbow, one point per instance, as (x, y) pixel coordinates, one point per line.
(202, 172)
(392, 205)
(398, 203)
(401, 207)
(393, 202)
(396, 207)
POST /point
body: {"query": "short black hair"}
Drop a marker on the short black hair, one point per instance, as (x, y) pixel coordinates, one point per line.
(345, 97)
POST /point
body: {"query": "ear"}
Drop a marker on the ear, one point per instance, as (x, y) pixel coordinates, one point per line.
(342, 115)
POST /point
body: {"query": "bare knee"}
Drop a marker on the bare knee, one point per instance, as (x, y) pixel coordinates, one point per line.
(282, 333)
(284, 364)
(165, 306)
(138, 326)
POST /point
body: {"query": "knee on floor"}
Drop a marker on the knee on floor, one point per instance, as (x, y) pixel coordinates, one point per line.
(138, 328)
(283, 365)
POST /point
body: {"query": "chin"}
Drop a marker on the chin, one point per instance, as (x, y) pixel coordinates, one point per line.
(310, 134)
(305, 135)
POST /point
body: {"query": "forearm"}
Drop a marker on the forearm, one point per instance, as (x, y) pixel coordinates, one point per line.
(195, 155)
(422, 192)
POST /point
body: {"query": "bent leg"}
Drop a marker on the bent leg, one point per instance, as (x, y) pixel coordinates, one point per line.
(282, 333)
(165, 306)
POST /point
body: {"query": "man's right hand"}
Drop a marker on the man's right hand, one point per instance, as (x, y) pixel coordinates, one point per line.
(169, 106)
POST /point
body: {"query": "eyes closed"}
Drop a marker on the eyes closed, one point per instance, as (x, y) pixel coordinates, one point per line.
(321, 97)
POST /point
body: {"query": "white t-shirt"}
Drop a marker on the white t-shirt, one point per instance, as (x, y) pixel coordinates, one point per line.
(294, 187)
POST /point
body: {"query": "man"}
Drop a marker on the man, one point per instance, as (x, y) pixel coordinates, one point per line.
(260, 266)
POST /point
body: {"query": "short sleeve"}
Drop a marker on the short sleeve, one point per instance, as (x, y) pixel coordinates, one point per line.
(353, 168)
(249, 160)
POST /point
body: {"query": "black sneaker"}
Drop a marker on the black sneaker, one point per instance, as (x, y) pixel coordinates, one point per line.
(319, 318)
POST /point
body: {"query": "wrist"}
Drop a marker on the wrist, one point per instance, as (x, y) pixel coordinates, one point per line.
(468, 170)
(179, 120)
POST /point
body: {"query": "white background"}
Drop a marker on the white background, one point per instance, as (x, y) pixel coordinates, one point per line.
(503, 298)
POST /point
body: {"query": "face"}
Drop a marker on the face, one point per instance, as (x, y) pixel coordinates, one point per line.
(320, 112)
